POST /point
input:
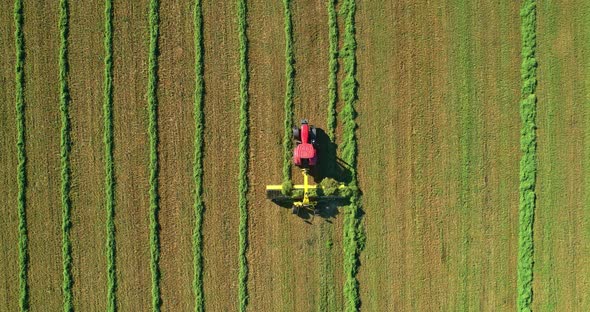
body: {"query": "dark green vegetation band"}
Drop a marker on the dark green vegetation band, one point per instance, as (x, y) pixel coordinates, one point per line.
(243, 151)
(333, 70)
(528, 162)
(289, 94)
(21, 175)
(198, 159)
(154, 30)
(353, 234)
(64, 103)
(107, 108)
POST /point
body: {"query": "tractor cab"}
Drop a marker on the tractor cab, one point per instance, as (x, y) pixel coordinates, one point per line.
(305, 155)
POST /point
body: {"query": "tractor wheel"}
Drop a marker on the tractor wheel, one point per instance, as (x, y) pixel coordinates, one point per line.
(294, 210)
(296, 134)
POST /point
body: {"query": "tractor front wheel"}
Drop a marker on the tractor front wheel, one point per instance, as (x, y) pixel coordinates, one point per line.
(296, 134)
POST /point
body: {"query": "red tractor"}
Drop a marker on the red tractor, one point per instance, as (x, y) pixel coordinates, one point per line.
(305, 155)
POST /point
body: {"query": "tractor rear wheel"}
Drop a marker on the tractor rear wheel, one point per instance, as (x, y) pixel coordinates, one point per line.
(294, 210)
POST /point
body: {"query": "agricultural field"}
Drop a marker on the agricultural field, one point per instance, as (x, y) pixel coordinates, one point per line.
(137, 140)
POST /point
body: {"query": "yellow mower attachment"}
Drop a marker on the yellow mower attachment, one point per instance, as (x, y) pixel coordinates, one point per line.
(304, 199)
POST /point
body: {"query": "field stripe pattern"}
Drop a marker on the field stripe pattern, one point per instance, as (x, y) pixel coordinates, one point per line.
(23, 252)
(243, 157)
(528, 163)
(154, 32)
(111, 247)
(198, 159)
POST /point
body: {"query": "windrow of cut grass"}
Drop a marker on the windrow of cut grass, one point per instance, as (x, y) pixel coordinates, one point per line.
(21, 175)
(64, 103)
(110, 248)
(289, 95)
(353, 233)
(154, 31)
(244, 130)
(327, 301)
(198, 159)
(333, 70)
(528, 162)
(352, 227)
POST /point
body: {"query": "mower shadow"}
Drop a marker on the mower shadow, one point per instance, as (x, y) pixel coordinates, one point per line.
(329, 166)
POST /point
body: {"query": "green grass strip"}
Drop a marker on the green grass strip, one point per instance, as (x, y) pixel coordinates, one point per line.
(353, 233)
(289, 94)
(327, 300)
(198, 159)
(244, 156)
(333, 70)
(21, 175)
(154, 29)
(64, 103)
(528, 162)
(110, 249)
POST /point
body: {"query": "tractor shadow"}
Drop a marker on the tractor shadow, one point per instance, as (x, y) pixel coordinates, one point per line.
(329, 166)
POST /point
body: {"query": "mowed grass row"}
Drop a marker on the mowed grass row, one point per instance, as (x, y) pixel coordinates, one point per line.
(23, 241)
(327, 301)
(289, 94)
(528, 162)
(110, 248)
(333, 70)
(198, 159)
(154, 32)
(243, 157)
(64, 103)
(353, 233)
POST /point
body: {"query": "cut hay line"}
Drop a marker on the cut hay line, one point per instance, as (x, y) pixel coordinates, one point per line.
(289, 93)
(108, 153)
(333, 70)
(198, 159)
(21, 175)
(528, 162)
(327, 301)
(154, 29)
(65, 148)
(353, 233)
(244, 131)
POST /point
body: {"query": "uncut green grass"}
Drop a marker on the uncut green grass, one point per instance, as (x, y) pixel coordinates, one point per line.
(432, 218)
(560, 272)
(9, 136)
